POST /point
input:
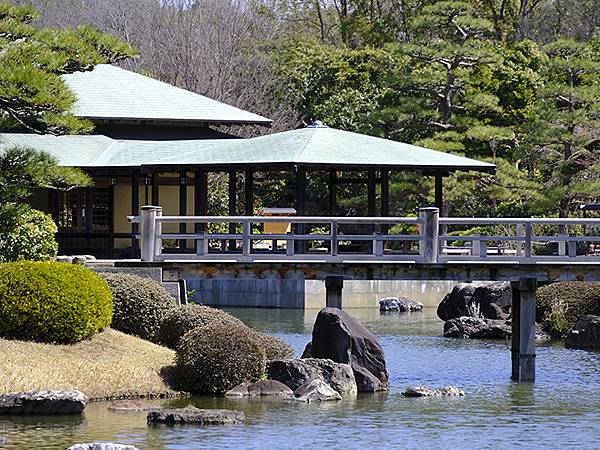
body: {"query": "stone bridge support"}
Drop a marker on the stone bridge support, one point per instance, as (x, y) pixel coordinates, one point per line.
(333, 292)
(523, 329)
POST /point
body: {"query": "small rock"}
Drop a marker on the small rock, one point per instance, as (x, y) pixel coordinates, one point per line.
(195, 416)
(585, 333)
(477, 328)
(400, 304)
(297, 372)
(102, 446)
(2, 440)
(424, 391)
(272, 388)
(64, 259)
(316, 391)
(45, 402)
(79, 259)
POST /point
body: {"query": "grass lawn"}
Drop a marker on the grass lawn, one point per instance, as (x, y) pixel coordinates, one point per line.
(109, 365)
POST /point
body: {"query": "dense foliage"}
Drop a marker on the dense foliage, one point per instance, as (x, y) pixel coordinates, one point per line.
(274, 347)
(140, 304)
(31, 238)
(560, 305)
(218, 357)
(52, 302)
(178, 321)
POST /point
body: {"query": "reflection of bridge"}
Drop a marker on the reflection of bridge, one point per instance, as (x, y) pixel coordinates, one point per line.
(385, 248)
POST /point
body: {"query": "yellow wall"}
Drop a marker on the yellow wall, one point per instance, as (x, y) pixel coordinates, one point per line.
(168, 198)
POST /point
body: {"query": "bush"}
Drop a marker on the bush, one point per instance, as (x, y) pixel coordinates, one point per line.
(52, 302)
(140, 304)
(31, 237)
(179, 321)
(560, 305)
(274, 347)
(217, 357)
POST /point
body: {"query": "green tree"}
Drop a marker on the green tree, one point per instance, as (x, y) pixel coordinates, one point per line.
(561, 139)
(32, 94)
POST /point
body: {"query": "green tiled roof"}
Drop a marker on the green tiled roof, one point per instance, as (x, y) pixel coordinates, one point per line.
(111, 93)
(308, 146)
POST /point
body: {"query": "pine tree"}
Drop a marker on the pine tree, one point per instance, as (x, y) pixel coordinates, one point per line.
(32, 95)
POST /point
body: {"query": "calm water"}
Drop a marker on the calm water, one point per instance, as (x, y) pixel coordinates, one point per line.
(561, 410)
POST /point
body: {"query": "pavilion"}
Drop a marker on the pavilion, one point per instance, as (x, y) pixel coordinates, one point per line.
(155, 144)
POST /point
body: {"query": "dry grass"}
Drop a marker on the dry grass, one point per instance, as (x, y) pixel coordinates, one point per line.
(109, 365)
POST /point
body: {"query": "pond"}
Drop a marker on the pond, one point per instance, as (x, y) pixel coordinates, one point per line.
(560, 410)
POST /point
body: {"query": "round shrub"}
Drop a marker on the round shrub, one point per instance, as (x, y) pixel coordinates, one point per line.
(274, 347)
(30, 237)
(560, 305)
(52, 302)
(217, 357)
(140, 304)
(179, 321)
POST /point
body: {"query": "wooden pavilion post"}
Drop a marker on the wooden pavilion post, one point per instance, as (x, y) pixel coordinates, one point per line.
(249, 192)
(385, 197)
(183, 185)
(135, 209)
(155, 199)
(371, 199)
(439, 196)
(332, 192)
(200, 205)
(301, 204)
(232, 207)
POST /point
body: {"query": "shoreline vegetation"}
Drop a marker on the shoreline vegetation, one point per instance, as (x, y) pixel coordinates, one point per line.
(108, 366)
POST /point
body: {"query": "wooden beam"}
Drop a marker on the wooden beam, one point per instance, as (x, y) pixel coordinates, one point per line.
(333, 292)
(332, 193)
(232, 210)
(385, 197)
(135, 209)
(439, 196)
(523, 332)
(87, 198)
(183, 185)
(155, 184)
(200, 195)
(301, 205)
(249, 192)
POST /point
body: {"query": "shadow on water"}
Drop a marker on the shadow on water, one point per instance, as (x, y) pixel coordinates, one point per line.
(560, 410)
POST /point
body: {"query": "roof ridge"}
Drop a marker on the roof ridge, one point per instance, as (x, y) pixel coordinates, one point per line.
(102, 157)
(308, 139)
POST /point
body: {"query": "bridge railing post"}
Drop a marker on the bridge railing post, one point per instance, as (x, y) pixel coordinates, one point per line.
(148, 236)
(430, 234)
(246, 241)
(334, 237)
(158, 232)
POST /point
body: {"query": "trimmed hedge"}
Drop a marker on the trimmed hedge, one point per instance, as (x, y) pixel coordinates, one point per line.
(140, 304)
(52, 302)
(274, 347)
(217, 357)
(179, 321)
(31, 238)
(560, 305)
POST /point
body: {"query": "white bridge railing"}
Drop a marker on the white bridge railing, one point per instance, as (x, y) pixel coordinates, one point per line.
(423, 239)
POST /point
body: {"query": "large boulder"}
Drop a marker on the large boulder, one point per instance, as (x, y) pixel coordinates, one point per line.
(477, 328)
(265, 388)
(195, 416)
(585, 333)
(297, 372)
(341, 338)
(400, 304)
(424, 391)
(316, 391)
(489, 299)
(43, 402)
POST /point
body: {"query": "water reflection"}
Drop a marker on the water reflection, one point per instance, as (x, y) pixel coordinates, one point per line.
(560, 410)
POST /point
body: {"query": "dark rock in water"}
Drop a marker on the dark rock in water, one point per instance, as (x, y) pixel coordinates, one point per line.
(271, 388)
(196, 416)
(297, 372)
(493, 299)
(585, 333)
(477, 328)
(43, 402)
(316, 391)
(424, 391)
(341, 338)
(400, 304)
(307, 353)
(102, 446)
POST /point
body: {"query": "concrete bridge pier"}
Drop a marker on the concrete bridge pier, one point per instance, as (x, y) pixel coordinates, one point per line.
(523, 329)
(333, 292)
